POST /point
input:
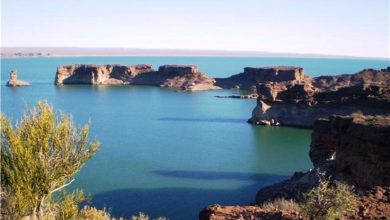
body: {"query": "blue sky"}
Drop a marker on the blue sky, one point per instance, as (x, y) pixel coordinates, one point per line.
(340, 27)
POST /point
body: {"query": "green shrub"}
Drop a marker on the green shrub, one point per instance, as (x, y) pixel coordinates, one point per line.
(39, 156)
(328, 202)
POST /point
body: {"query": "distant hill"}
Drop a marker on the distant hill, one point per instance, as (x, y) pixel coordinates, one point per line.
(79, 51)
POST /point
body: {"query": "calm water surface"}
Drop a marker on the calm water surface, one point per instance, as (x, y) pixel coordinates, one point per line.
(169, 153)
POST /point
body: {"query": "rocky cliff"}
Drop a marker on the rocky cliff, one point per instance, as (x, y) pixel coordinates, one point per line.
(354, 150)
(301, 102)
(13, 80)
(185, 78)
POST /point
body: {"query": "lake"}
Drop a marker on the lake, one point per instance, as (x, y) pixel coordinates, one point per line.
(168, 153)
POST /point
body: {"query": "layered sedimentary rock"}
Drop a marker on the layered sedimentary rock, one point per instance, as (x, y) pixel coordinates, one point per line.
(13, 80)
(186, 78)
(99, 74)
(182, 77)
(248, 79)
(300, 103)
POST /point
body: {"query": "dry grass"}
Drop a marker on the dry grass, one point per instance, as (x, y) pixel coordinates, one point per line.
(281, 204)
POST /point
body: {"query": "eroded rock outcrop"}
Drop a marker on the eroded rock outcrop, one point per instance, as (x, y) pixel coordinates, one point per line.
(13, 80)
(301, 102)
(180, 77)
(99, 74)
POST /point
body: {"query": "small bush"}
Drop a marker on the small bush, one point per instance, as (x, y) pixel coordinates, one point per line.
(282, 205)
(328, 202)
(142, 216)
(93, 213)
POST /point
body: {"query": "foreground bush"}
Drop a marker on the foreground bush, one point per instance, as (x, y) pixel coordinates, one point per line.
(40, 156)
(328, 202)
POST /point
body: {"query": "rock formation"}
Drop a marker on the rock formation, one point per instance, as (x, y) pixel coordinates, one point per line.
(253, 76)
(99, 74)
(185, 78)
(301, 102)
(354, 150)
(13, 80)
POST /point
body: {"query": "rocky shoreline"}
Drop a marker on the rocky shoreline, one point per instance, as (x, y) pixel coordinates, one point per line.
(354, 150)
(300, 102)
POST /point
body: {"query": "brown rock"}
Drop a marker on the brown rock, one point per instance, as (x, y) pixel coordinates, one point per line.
(360, 147)
(13, 80)
(253, 76)
(217, 212)
(300, 103)
(180, 77)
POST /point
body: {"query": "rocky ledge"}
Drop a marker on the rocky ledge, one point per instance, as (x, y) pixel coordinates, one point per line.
(13, 80)
(300, 101)
(354, 150)
(180, 77)
(217, 212)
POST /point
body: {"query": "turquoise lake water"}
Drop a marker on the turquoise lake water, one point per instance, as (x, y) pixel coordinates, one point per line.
(169, 153)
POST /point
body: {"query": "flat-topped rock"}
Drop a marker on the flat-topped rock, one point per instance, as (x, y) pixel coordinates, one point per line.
(178, 69)
(179, 77)
(251, 76)
(13, 80)
(99, 74)
(274, 74)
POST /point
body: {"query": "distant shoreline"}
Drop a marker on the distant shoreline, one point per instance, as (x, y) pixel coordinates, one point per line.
(31, 52)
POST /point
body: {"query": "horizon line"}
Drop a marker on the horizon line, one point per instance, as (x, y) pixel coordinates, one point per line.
(11, 51)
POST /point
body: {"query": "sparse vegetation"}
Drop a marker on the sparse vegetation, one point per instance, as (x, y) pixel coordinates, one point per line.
(282, 205)
(328, 202)
(324, 202)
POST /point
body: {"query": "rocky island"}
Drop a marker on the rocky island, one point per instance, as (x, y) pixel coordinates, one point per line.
(351, 149)
(180, 77)
(13, 80)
